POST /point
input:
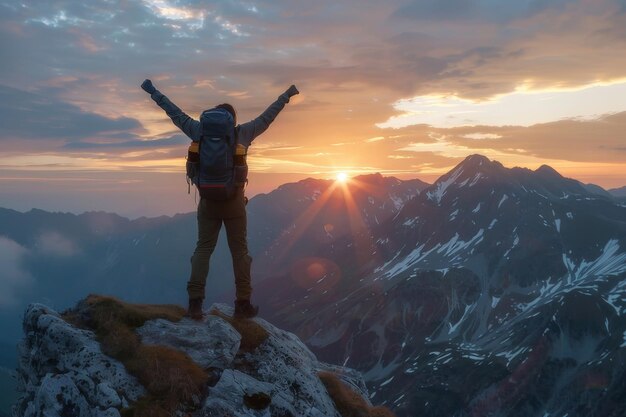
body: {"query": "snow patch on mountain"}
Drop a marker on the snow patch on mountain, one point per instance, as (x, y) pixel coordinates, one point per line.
(441, 186)
(386, 381)
(586, 274)
(397, 201)
(610, 262)
(453, 327)
(515, 243)
(450, 250)
(411, 259)
(502, 200)
(510, 355)
(381, 371)
(456, 245)
(476, 178)
(329, 335)
(616, 298)
(409, 222)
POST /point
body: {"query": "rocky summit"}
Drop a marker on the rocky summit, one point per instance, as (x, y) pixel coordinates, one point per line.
(248, 368)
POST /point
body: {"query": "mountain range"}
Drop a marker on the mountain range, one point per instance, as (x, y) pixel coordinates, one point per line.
(57, 258)
(493, 291)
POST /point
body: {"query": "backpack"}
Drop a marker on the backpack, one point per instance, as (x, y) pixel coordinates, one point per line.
(216, 164)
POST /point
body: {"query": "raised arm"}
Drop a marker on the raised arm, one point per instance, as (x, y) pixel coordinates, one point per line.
(250, 130)
(189, 126)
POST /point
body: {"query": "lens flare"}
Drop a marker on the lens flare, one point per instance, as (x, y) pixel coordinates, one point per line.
(342, 177)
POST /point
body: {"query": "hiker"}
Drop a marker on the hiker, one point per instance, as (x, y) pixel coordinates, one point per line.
(220, 203)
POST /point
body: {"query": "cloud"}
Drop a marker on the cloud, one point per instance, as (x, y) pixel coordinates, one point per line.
(374, 139)
(520, 108)
(474, 52)
(15, 278)
(137, 143)
(570, 140)
(53, 243)
(482, 136)
(75, 70)
(437, 9)
(577, 140)
(486, 10)
(321, 44)
(29, 115)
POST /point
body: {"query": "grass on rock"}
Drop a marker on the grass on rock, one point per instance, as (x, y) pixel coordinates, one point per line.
(171, 378)
(252, 334)
(348, 402)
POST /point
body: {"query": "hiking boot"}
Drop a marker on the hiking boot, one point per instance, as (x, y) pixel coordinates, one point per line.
(195, 308)
(245, 310)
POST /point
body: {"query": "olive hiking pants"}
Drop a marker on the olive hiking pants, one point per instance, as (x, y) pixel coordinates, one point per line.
(211, 215)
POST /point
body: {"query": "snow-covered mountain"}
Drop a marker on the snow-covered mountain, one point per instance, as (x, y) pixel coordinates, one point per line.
(494, 292)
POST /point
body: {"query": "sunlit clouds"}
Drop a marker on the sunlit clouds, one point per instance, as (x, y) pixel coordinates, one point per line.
(404, 88)
(194, 18)
(519, 108)
(167, 10)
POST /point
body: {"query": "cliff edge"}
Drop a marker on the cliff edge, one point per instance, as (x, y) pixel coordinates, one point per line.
(107, 358)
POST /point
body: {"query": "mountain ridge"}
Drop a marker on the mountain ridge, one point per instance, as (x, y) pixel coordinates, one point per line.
(415, 286)
(459, 262)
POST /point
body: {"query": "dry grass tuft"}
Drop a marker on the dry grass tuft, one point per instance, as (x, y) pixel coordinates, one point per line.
(252, 334)
(348, 402)
(105, 309)
(171, 378)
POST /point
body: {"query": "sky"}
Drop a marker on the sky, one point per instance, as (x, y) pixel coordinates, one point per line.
(401, 87)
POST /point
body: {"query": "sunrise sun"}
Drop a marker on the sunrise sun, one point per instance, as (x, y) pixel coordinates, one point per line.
(342, 177)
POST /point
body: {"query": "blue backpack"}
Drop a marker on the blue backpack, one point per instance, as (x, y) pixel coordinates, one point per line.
(214, 169)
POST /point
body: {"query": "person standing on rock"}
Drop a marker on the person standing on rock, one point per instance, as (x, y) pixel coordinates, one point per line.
(222, 197)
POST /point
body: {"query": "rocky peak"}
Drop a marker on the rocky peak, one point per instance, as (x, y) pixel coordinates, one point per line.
(479, 170)
(476, 160)
(472, 170)
(250, 367)
(548, 171)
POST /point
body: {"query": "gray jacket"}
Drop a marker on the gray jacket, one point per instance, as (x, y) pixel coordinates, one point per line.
(247, 132)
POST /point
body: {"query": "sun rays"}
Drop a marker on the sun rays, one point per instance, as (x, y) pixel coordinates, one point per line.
(337, 211)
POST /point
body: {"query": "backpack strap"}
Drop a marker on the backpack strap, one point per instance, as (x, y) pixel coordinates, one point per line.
(240, 163)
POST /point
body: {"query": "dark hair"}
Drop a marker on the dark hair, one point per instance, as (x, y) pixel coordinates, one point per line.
(228, 108)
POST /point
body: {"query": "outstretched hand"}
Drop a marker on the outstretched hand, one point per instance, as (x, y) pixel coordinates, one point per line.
(148, 87)
(292, 91)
